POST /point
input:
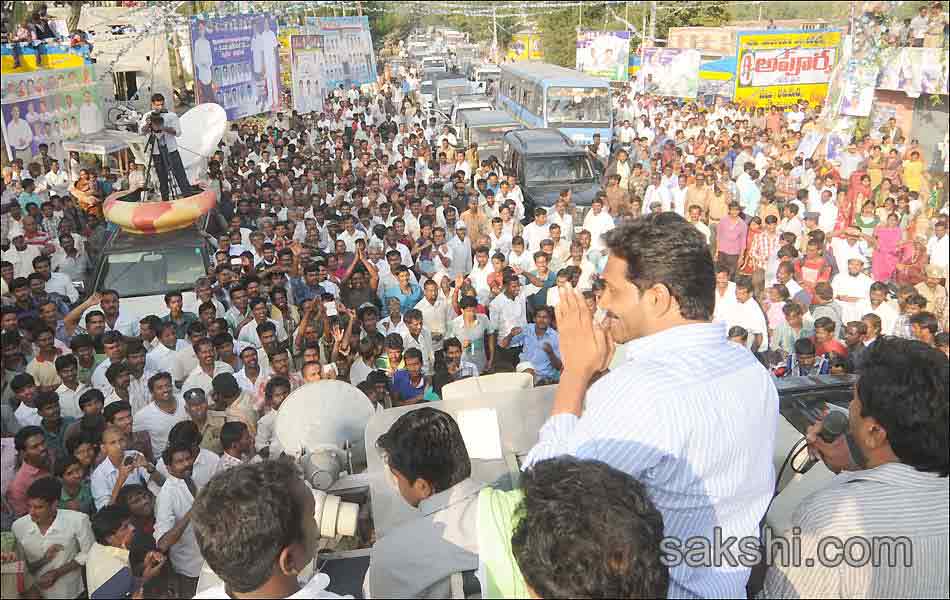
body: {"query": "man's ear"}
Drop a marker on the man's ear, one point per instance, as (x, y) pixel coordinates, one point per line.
(288, 558)
(422, 488)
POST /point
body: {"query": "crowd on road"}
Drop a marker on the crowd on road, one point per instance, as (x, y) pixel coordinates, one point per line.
(363, 244)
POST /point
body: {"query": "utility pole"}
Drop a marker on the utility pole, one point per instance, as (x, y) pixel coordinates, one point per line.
(359, 9)
(653, 23)
(494, 27)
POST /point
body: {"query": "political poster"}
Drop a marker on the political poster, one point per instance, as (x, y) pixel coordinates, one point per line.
(603, 54)
(236, 63)
(779, 68)
(671, 72)
(308, 72)
(525, 45)
(49, 106)
(809, 143)
(347, 52)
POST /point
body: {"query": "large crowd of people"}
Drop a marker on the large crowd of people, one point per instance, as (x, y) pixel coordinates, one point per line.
(363, 244)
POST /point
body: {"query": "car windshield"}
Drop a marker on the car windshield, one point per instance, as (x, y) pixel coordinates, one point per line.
(426, 87)
(153, 272)
(490, 137)
(559, 170)
(581, 107)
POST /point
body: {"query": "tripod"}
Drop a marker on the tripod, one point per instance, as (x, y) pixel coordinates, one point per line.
(174, 192)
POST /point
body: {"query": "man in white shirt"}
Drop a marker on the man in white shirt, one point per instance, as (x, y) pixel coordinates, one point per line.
(536, 231)
(90, 117)
(120, 468)
(55, 282)
(173, 527)
(207, 368)
(158, 417)
(938, 247)
(53, 541)
(747, 313)
(598, 222)
(848, 245)
(509, 320)
(203, 63)
(164, 124)
(876, 302)
(851, 287)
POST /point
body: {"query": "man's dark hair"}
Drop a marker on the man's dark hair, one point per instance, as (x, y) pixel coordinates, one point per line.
(231, 433)
(45, 488)
(413, 353)
(114, 408)
(666, 249)
(904, 386)
(805, 347)
(107, 521)
(243, 518)
(925, 320)
(825, 324)
(427, 444)
(587, 530)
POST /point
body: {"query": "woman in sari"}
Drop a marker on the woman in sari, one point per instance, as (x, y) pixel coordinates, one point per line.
(893, 165)
(86, 193)
(859, 191)
(887, 239)
(911, 261)
(876, 167)
(883, 192)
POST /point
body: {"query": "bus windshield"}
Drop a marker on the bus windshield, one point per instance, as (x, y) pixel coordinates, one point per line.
(558, 170)
(578, 107)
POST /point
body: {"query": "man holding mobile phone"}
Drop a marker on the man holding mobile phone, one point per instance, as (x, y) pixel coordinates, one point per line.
(120, 468)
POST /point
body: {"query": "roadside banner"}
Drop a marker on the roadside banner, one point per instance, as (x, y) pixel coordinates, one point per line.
(672, 72)
(779, 68)
(236, 63)
(307, 64)
(49, 106)
(347, 52)
(603, 54)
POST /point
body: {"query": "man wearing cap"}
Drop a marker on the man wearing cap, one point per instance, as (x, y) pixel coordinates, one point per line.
(851, 287)
(933, 292)
(847, 244)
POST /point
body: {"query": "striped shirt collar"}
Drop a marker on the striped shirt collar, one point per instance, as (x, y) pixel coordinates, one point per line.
(691, 336)
(897, 474)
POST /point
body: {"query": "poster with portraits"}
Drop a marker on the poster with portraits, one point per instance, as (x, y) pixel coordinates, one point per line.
(348, 51)
(669, 72)
(603, 54)
(236, 63)
(48, 107)
(308, 72)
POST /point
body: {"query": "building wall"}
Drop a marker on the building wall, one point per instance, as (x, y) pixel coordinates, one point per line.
(902, 105)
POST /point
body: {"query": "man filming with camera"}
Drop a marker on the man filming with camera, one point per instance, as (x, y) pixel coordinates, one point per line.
(164, 125)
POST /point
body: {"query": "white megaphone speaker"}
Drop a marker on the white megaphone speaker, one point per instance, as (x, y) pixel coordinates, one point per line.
(202, 127)
(322, 425)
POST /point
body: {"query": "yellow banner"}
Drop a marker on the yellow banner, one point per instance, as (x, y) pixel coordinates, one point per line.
(778, 68)
(525, 46)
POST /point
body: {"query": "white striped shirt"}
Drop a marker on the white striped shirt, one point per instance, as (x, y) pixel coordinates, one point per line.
(892, 500)
(693, 418)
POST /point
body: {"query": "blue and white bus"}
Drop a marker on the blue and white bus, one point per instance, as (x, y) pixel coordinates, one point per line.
(540, 95)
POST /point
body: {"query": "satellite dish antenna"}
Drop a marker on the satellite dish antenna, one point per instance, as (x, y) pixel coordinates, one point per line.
(202, 127)
(322, 414)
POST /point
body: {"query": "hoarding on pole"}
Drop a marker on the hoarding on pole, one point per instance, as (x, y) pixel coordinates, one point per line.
(49, 106)
(670, 72)
(778, 68)
(236, 63)
(307, 64)
(603, 54)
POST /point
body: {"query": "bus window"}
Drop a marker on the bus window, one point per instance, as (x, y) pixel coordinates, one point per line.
(590, 106)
